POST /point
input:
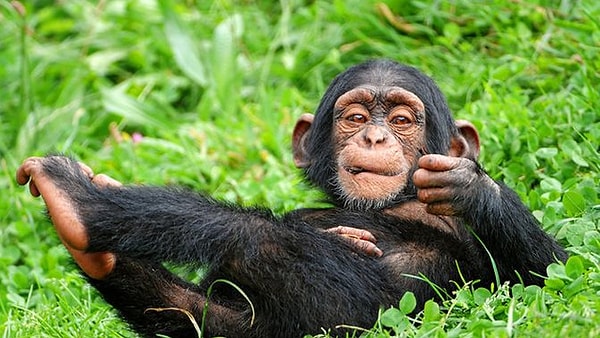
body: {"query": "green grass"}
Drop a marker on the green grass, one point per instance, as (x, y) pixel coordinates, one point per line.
(215, 89)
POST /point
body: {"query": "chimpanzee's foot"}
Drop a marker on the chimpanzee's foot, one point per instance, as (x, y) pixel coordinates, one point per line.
(60, 208)
(64, 216)
(102, 180)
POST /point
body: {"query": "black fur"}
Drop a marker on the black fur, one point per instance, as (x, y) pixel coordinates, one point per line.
(299, 278)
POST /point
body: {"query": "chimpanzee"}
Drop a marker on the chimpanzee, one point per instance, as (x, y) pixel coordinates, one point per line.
(384, 147)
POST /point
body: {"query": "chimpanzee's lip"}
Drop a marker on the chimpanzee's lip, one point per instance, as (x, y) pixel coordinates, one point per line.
(358, 170)
(354, 170)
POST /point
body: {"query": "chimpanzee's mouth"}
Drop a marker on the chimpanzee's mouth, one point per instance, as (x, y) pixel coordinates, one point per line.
(354, 170)
(359, 170)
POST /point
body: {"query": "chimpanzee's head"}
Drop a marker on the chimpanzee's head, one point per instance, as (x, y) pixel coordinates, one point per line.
(373, 123)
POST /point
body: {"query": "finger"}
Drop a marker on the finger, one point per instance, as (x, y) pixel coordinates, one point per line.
(24, 171)
(436, 162)
(354, 233)
(433, 195)
(86, 169)
(33, 190)
(22, 175)
(102, 180)
(366, 247)
(423, 178)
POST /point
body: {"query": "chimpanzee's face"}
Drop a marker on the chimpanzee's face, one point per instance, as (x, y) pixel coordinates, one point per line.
(378, 133)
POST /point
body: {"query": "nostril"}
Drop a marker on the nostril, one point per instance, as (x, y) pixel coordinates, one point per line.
(375, 135)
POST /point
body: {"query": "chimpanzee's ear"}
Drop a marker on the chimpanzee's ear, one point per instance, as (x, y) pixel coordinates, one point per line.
(466, 144)
(299, 136)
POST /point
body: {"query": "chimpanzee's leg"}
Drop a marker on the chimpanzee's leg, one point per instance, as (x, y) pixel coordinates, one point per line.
(275, 262)
(154, 301)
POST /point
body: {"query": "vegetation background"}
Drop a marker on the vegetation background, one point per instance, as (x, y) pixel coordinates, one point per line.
(205, 94)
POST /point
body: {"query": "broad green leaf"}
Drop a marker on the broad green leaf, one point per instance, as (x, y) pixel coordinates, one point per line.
(117, 102)
(573, 202)
(554, 283)
(556, 270)
(574, 287)
(574, 267)
(481, 295)
(591, 239)
(431, 311)
(575, 232)
(573, 150)
(182, 44)
(392, 317)
(550, 184)
(408, 303)
(9, 255)
(546, 152)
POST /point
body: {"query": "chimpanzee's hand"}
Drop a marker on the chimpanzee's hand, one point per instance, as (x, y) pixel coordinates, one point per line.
(360, 239)
(451, 185)
(70, 230)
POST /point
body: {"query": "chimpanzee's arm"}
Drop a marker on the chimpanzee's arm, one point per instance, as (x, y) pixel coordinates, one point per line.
(460, 187)
(513, 235)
